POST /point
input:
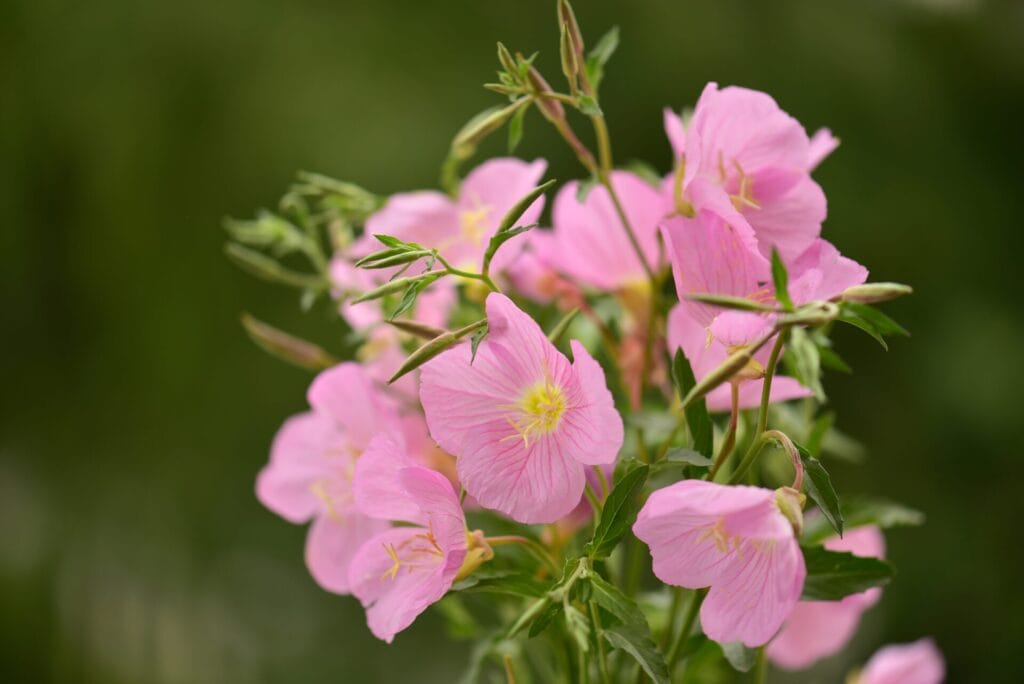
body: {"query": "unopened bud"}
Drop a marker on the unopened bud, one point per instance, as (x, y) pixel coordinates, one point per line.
(570, 64)
(872, 293)
(811, 315)
(396, 285)
(287, 347)
(480, 126)
(567, 18)
(551, 108)
(507, 61)
(791, 504)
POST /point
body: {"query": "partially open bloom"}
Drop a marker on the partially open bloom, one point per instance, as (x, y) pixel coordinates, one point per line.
(733, 539)
(461, 228)
(739, 145)
(817, 629)
(521, 419)
(399, 572)
(590, 244)
(919, 662)
(312, 462)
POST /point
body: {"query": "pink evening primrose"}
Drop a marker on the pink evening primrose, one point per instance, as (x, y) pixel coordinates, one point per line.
(740, 146)
(522, 421)
(919, 662)
(733, 539)
(312, 462)
(460, 228)
(818, 629)
(399, 572)
(590, 244)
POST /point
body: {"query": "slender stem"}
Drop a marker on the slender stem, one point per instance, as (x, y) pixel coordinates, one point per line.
(684, 633)
(594, 501)
(535, 548)
(606, 181)
(677, 599)
(602, 656)
(605, 489)
(604, 143)
(748, 459)
(769, 373)
(761, 667)
(510, 675)
(730, 436)
(482, 277)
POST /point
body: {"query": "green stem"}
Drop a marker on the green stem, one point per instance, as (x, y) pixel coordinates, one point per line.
(595, 502)
(748, 459)
(482, 277)
(769, 373)
(605, 489)
(730, 436)
(684, 633)
(535, 548)
(761, 667)
(602, 656)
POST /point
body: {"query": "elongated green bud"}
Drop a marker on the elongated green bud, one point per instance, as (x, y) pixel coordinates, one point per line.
(396, 285)
(873, 293)
(287, 347)
(403, 257)
(427, 332)
(435, 347)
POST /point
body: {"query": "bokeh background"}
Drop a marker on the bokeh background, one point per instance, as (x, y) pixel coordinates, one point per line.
(135, 412)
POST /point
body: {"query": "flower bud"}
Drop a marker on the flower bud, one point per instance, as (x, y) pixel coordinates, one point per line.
(791, 504)
(872, 293)
(552, 109)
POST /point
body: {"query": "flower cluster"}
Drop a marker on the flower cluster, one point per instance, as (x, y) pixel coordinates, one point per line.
(530, 387)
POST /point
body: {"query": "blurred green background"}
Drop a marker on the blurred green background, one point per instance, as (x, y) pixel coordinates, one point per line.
(136, 413)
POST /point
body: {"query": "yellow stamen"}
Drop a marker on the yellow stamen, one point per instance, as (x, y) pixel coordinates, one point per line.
(472, 222)
(540, 410)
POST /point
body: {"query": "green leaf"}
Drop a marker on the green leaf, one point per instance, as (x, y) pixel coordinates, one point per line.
(781, 280)
(830, 359)
(739, 656)
(515, 129)
(541, 622)
(474, 342)
(640, 646)
(688, 456)
(584, 187)
(852, 318)
(833, 575)
(578, 625)
(819, 487)
(512, 583)
(562, 325)
(697, 417)
(804, 361)
(588, 105)
(618, 604)
(618, 513)
(861, 511)
(599, 56)
(882, 323)
(432, 348)
(729, 302)
(459, 621)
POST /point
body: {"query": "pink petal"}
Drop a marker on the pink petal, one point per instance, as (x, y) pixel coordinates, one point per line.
(331, 544)
(821, 272)
(439, 504)
(822, 144)
(814, 630)
(393, 602)
(756, 594)
(919, 662)
(347, 394)
(789, 222)
(675, 132)
(594, 426)
(710, 256)
(592, 245)
(739, 328)
(783, 389)
(675, 522)
(426, 217)
(379, 492)
(301, 454)
(534, 484)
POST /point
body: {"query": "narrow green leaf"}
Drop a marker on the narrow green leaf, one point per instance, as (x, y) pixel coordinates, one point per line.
(474, 343)
(434, 347)
(512, 583)
(640, 646)
(563, 325)
(739, 656)
(541, 622)
(688, 456)
(536, 609)
(852, 318)
(588, 105)
(599, 56)
(618, 513)
(882, 323)
(804, 361)
(781, 280)
(578, 625)
(830, 359)
(819, 487)
(697, 417)
(729, 302)
(618, 604)
(515, 129)
(861, 511)
(520, 207)
(833, 575)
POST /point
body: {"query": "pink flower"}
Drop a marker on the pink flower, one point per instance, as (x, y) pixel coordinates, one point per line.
(755, 155)
(590, 243)
(818, 629)
(522, 421)
(399, 572)
(705, 352)
(461, 228)
(919, 662)
(312, 462)
(532, 275)
(733, 539)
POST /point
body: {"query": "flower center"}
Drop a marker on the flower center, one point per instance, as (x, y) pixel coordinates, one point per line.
(472, 223)
(419, 551)
(541, 409)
